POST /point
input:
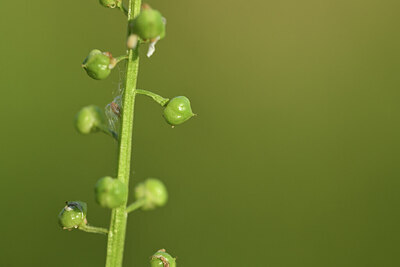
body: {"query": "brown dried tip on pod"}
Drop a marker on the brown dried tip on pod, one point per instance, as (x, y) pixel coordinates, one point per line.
(145, 6)
(109, 3)
(162, 259)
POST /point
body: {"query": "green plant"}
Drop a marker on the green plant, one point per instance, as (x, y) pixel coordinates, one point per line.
(145, 25)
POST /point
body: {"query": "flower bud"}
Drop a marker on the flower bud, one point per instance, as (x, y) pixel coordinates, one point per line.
(108, 3)
(162, 259)
(89, 119)
(97, 64)
(178, 110)
(153, 192)
(73, 215)
(110, 193)
(148, 24)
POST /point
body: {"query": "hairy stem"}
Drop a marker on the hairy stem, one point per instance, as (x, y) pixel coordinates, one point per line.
(116, 234)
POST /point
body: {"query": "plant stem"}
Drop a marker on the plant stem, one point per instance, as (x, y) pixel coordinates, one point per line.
(122, 8)
(116, 234)
(159, 99)
(135, 205)
(109, 132)
(93, 229)
(117, 60)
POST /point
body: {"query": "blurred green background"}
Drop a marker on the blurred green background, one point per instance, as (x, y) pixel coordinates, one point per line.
(292, 161)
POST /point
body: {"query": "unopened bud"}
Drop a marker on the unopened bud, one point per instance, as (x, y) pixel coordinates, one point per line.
(89, 119)
(73, 215)
(110, 193)
(178, 110)
(153, 192)
(148, 24)
(97, 64)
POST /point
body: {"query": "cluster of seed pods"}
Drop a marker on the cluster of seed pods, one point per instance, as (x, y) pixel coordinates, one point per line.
(148, 27)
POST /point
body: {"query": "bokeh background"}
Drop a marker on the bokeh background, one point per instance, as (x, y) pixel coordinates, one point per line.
(293, 159)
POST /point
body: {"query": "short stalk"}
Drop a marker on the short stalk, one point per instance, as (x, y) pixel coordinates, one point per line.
(159, 99)
(116, 235)
(109, 132)
(117, 60)
(93, 229)
(122, 8)
(135, 205)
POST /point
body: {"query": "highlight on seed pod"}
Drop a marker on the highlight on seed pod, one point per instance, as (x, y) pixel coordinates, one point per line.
(89, 119)
(110, 193)
(97, 64)
(73, 215)
(153, 192)
(162, 259)
(178, 110)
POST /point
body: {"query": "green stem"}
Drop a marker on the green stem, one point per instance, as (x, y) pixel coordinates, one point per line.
(117, 60)
(109, 132)
(120, 58)
(159, 99)
(135, 205)
(116, 235)
(93, 229)
(122, 8)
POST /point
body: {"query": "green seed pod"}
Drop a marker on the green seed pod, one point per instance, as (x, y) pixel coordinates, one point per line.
(153, 192)
(110, 193)
(178, 110)
(108, 3)
(162, 259)
(148, 24)
(89, 119)
(73, 215)
(163, 33)
(97, 64)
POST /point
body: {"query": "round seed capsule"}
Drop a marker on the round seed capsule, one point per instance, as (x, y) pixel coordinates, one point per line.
(73, 215)
(110, 193)
(153, 192)
(148, 24)
(97, 64)
(89, 119)
(178, 110)
(162, 259)
(108, 3)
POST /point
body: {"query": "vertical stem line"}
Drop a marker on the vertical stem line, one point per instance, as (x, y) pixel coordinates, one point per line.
(116, 234)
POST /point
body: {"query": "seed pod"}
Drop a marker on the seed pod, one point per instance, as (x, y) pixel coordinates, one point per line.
(162, 259)
(148, 24)
(89, 119)
(178, 110)
(163, 33)
(153, 192)
(110, 193)
(97, 64)
(73, 215)
(108, 3)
